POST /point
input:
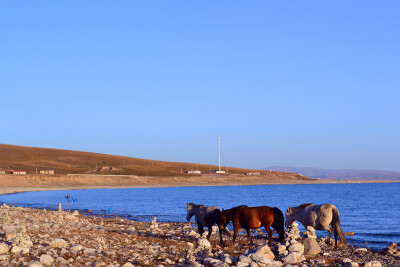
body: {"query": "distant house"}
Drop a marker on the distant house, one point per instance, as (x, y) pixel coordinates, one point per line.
(220, 172)
(19, 172)
(47, 172)
(194, 172)
(2, 172)
(253, 173)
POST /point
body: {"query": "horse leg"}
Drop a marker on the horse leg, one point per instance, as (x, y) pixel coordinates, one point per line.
(235, 232)
(269, 231)
(201, 230)
(209, 232)
(220, 236)
(328, 240)
(336, 237)
(249, 235)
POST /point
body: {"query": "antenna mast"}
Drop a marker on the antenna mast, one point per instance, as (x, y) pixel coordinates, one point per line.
(219, 153)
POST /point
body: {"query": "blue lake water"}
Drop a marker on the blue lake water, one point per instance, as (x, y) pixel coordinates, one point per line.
(371, 211)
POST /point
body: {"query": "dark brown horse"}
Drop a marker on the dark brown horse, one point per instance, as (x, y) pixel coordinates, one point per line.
(253, 218)
(206, 216)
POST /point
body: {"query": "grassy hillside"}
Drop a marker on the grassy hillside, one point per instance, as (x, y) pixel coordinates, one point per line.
(32, 160)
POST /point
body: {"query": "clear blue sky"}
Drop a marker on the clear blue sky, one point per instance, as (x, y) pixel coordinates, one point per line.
(297, 83)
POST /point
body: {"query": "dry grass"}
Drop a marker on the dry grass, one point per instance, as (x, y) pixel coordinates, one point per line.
(32, 159)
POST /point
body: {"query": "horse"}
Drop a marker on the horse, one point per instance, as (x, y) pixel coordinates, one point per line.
(253, 218)
(206, 216)
(318, 216)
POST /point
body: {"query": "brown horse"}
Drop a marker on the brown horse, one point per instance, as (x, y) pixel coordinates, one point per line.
(253, 218)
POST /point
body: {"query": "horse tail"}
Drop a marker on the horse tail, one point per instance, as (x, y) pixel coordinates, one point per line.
(279, 221)
(336, 225)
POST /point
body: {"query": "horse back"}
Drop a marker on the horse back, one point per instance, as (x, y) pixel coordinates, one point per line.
(253, 217)
(320, 216)
(212, 215)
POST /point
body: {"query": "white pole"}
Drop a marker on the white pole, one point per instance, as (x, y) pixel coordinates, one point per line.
(219, 153)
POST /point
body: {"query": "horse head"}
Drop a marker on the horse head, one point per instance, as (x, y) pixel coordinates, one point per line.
(190, 211)
(224, 219)
(289, 214)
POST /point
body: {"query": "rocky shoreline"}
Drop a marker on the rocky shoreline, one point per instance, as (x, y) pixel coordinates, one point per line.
(38, 237)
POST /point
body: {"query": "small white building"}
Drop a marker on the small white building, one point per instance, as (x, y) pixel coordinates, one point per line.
(194, 172)
(19, 172)
(220, 172)
(2, 172)
(253, 173)
(47, 172)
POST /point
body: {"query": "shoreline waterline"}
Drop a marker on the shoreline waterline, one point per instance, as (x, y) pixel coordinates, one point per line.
(153, 182)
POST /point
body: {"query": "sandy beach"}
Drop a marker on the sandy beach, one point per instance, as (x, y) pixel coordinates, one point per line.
(23, 183)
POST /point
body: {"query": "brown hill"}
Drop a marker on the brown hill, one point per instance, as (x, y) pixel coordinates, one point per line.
(33, 160)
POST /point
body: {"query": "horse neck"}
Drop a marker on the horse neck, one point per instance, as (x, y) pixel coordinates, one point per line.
(301, 216)
(194, 209)
(229, 215)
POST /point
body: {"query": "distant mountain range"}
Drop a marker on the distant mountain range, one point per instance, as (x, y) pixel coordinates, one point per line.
(352, 174)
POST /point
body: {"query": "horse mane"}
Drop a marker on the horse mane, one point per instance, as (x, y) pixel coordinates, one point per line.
(196, 205)
(305, 205)
(238, 207)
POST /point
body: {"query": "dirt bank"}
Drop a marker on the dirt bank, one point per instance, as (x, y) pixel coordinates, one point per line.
(22, 183)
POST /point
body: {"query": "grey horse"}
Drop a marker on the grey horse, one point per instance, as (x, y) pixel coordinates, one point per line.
(321, 217)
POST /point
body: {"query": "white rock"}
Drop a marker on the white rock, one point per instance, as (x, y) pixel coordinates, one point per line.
(290, 259)
(212, 262)
(373, 264)
(76, 248)
(128, 264)
(298, 247)
(4, 248)
(245, 260)
(228, 260)
(263, 249)
(361, 250)
(58, 243)
(35, 264)
(260, 258)
(204, 243)
(46, 259)
(276, 264)
(16, 249)
(89, 251)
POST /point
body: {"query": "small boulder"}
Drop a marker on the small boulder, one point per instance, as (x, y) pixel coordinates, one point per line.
(46, 260)
(373, 264)
(76, 248)
(204, 243)
(263, 249)
(35, 264)
(297, 247)
(311, 246)
(260, 258)
(4, 248)
(58, 243)
(290, 259)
